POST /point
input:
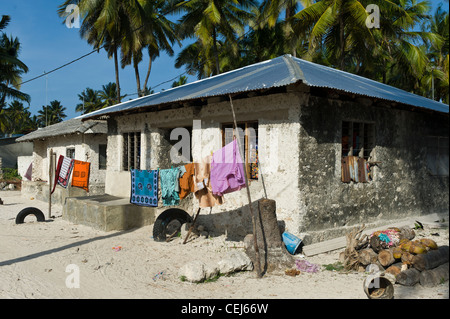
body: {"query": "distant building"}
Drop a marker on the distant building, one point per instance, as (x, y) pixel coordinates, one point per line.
(84, 141)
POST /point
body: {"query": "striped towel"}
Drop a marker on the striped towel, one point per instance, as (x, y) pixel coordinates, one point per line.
(65, 170)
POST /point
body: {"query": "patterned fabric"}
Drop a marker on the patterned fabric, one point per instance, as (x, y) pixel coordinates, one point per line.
(144, 187)
(80, 176)
(65, 170)
(170, 185)
(187, 180)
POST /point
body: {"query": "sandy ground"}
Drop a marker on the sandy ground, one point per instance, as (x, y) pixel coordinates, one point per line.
(36, 259)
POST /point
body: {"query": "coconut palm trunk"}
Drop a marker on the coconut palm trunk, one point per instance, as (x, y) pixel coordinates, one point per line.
(116, 65)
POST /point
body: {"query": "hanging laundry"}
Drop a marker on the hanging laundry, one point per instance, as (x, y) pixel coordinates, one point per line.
(144, 187)
(29, 172)
(80, 176)
(202, 184)
(170, 185)
(254, 160)
(186, 180)
(58, 169)
(227, 170)
(63, 170)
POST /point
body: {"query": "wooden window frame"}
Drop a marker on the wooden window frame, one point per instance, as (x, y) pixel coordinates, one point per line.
(131, 158)
(367, 141)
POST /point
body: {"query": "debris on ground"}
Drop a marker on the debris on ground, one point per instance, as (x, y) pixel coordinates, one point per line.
(399, 254)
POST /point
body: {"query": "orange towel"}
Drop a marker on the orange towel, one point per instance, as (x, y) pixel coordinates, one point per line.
(80, 176)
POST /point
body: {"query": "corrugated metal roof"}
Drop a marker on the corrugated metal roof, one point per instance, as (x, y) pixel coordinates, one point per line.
(72, 126)
(277, 72)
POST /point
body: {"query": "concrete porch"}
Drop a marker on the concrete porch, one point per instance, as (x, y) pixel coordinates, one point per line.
(107, 212)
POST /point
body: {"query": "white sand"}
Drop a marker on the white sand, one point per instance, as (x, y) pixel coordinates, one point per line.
(34, 257)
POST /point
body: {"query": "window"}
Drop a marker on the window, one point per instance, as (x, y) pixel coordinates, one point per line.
(102, 156)
(437, 155)
(131, 151)
(248, 134)
(70, 152)
(357, 139)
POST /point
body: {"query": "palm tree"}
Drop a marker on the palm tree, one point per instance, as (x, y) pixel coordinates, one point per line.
(90, 101)
(269, 13)
(52, 114)
(107, 94)
(181, 81)
(197, 60)
(15, 117)
(103, 25)
(338, 26)
(211, 20)
(153, 32)
(11, 68)
(435, 82)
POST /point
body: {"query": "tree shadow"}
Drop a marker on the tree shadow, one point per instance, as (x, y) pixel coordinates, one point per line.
(55, 250)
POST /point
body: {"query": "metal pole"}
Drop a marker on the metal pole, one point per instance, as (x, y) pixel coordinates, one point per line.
(255, 240)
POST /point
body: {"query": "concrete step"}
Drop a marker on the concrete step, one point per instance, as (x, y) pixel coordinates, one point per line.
(107, 213)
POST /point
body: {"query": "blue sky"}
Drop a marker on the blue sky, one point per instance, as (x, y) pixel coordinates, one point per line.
(47, 44)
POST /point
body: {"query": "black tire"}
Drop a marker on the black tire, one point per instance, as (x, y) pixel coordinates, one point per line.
(29, 211)
(160, 226)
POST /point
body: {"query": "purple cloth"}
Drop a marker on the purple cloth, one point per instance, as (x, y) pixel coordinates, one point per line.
(227, 170)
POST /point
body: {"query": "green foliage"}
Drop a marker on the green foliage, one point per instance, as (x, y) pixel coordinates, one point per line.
(337, 266)
(10, 174)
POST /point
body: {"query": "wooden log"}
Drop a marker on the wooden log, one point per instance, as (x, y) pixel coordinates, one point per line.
(407, 258)
(406, 232)
(367, 256)
(434, 277)
(432, 259)
(375, 243)
(385, 257)
(409, 277)
(394, 269)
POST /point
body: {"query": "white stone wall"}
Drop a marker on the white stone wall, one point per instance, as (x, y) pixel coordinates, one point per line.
(23, 162)
(86, 149)
(278, 126)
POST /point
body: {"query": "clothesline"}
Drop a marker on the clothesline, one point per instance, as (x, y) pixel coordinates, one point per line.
(80, 176)
(209, 180)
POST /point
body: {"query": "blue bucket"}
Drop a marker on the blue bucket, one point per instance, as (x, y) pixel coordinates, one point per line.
(291, 242)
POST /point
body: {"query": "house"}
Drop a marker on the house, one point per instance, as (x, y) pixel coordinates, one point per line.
(11, 151)
(304, 120)
(84, 141)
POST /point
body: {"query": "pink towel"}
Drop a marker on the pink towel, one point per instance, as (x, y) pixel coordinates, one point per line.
(227, 170)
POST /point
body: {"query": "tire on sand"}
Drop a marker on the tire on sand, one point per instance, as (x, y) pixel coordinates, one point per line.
(20, 218)
(160, 229)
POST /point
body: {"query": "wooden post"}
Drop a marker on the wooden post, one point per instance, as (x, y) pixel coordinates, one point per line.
(192, 226)
(50, 169)
(255, 240)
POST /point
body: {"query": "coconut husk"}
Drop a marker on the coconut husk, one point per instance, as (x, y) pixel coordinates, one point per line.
(417, 248)
(429, 243)
(397, 252)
